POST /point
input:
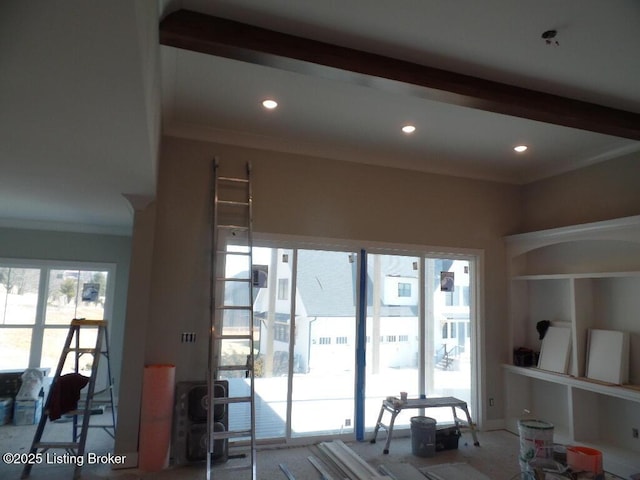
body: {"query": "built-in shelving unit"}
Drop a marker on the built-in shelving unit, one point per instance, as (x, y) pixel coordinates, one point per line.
(581, 277)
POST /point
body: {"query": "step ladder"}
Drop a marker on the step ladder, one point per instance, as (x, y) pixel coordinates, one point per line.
(232, 322)
(81, 415)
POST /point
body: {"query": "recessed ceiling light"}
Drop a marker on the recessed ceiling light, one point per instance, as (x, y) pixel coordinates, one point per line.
(520, 148)
(408, 129)
(270, 104)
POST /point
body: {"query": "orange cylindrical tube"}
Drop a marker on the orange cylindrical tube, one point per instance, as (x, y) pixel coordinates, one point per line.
(156, 416)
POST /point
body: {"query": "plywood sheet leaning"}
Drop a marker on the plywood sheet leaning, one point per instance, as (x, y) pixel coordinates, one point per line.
(608, 356)
(555, 350)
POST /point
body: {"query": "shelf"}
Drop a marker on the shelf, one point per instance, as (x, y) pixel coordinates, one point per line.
(631, 392)
(564, 276)
(586, 277)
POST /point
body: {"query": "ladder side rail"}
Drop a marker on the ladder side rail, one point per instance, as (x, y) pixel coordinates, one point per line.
(92, 385)
(43, 419)
(110, 384)
(219, 306)
(252, 329)
(211, 361)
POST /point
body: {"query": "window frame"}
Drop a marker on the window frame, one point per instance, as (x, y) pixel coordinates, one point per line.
(46, 266)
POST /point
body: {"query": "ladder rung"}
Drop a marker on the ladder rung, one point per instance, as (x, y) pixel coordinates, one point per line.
(234, 367)
(233, 434)
(227, 400)
(232, 279)
(225, 252)
(234, 227)
(233, 179)
(234, 337)
(81, 350)
(247, 466)
(56, 445)
(233, 203)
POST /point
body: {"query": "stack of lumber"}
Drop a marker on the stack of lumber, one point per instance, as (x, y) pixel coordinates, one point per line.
(349, 463)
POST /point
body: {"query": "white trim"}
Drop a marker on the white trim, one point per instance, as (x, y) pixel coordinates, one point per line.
(478, 374)
(328, 243)
(53, 226)
(625, 228)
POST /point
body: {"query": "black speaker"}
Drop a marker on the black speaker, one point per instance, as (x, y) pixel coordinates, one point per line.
(189, 443)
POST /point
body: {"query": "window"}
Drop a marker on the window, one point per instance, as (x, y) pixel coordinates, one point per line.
(281, 332)
(283, 289)
(403, 338)
(391, 338)
(324, 341)
(404, 289)
(18, 295)
(37, 302)
(341, 340)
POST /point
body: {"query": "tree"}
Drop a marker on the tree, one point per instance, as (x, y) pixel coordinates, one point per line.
(69, 287)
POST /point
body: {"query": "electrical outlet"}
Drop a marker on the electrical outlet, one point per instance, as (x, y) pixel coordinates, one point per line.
(188, 337)
(491, 402)
(634, 432)
(347, 422)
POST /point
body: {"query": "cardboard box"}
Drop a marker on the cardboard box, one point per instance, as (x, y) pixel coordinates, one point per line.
(27, 412)
(6, 410)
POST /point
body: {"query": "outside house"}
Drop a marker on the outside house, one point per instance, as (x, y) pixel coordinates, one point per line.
(324, 351)
(325, 315)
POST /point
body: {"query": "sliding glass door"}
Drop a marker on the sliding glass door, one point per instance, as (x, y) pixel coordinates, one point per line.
(323, 388)
(416, 338)
(448, 327)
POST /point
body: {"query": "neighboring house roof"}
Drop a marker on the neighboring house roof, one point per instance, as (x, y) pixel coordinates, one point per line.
(326, 283)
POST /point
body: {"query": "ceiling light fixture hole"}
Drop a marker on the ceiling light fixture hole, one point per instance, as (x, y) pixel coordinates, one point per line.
(549, 36)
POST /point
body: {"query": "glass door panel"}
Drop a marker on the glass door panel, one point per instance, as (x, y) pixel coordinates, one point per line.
(448, 325)
(324, 374)
(271, 310)
(392, 343)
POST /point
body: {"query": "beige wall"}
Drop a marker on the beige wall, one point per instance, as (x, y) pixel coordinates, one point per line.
(311, 197)
(602, 191)
(316, 197)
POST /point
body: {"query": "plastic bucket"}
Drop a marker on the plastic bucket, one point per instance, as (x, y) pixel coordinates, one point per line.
(536, 442)
(584, 459)
(423, 436)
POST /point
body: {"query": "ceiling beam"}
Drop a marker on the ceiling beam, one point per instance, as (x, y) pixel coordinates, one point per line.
(226, 38)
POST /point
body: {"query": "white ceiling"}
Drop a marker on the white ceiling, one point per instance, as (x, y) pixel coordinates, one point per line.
(79, 112)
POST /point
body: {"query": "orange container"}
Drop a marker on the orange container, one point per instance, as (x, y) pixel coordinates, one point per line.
(584, 459)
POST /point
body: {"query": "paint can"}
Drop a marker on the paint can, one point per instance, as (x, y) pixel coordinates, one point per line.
(536, 443)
